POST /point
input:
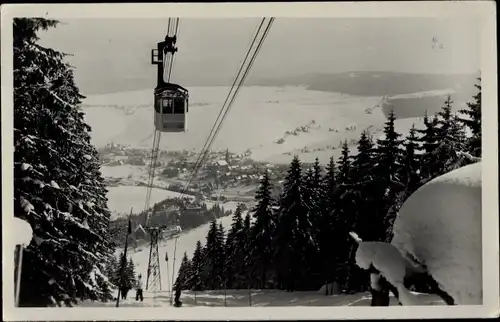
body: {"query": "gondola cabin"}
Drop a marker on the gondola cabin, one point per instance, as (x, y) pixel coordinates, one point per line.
(171, 106)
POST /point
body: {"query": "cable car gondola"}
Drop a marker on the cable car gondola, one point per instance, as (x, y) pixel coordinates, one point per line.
(170, 100)
(171, 107)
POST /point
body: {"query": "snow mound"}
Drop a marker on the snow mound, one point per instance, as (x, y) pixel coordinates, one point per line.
(384, 257)
(23, 232)
(440, 226)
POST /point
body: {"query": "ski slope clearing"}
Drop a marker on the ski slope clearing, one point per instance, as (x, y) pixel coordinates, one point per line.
(185, 243)
(122, 198)
(255, 298)
(273, 122)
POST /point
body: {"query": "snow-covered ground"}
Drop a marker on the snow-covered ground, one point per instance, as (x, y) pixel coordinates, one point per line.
(259, 118)
(255, 298)
(122, 198)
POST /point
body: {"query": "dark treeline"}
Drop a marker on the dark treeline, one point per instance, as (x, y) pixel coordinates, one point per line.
(300, 240)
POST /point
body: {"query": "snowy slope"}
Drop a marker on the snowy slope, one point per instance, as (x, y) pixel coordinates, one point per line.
(258, 119)
(440, 225)
(185, 243)
(257, 298)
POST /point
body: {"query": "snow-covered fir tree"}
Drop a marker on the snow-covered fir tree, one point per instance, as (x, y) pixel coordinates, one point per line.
(330, 184)
(389, 185)
(235, 252)
(473, 122)
(260, 253)
(364, 189)
(451, 138)
(183, 273)
(246, 235)
(410, 171)
(429, 141)
(130, 273)
(195, 281)
(214, 258)
(58, 187)
(295, 245)
(325, 228)
(344, 215)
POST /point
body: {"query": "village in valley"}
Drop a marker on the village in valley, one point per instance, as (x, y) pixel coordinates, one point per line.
(234, 173)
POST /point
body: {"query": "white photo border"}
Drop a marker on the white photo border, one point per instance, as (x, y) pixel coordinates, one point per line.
(485, 10)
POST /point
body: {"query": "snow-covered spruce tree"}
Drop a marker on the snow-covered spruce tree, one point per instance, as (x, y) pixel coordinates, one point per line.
(260, 255)
(58, 187)
(364, 190)
(221, 236)
(183, 274)
(330, 182)
(345, 215)
(473, 121)
(429, 141)
(295, 246)
(325, 225)
(213, 258)
(130, 273)
(235, 255)
(451, 138)
(248, 277)
(195, 279)
(389, 185)
(410, 171)
(315, 200)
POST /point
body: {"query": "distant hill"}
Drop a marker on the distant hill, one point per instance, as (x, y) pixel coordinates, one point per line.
(364, 83)
(379, 83)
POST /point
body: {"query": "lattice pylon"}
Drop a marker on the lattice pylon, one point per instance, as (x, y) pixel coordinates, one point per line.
(153, 280)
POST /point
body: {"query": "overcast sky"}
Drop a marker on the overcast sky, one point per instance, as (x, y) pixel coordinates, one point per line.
(108, 52)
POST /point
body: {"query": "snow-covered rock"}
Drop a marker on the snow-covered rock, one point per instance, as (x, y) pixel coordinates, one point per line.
(440, 226)
(384, 257)
(22, 231)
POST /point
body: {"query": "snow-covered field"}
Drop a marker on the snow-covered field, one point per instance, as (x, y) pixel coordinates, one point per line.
(124, 171)
(255, 298)
(259, 117)
(122, 198)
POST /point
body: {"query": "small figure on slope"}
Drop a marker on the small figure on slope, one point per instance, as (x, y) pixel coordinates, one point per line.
(177, 302)
(140, 285)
